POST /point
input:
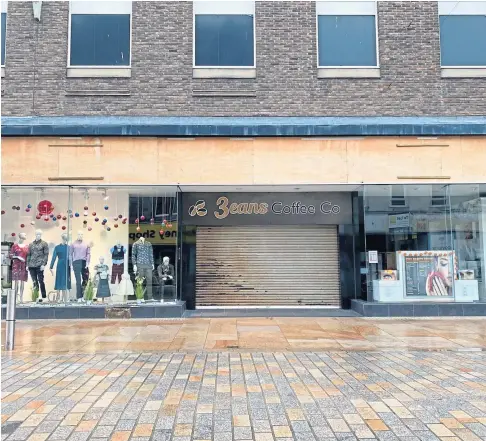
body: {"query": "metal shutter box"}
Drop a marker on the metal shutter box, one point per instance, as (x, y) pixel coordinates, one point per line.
(267, 265)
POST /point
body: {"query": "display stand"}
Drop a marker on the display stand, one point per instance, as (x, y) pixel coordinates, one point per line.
(388, 291)
(466, 290)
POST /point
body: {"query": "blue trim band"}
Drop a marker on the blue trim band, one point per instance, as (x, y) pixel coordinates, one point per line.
(242, 126)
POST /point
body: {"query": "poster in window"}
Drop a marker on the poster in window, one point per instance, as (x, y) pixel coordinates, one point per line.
(429, 273)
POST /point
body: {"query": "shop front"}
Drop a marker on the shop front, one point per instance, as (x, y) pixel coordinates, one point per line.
(89, 247)
(243, 249)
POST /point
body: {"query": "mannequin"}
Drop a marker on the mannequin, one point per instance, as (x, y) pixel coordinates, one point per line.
(80, 255)
(18, 254)
(101, 280)
(63, 268)
(166, 275)
(37, 261)
(118, 262)
(143, 262)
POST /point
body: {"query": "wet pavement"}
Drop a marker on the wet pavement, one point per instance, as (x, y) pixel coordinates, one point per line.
(194, 379)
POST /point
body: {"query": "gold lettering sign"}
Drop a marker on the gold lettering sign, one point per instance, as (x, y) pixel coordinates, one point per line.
(225, 208)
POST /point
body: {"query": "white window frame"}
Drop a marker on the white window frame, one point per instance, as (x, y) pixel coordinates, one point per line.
(461, 8)
(333, 7)
(94, 8)
(3, 10)
(203, 7)
(405, 197)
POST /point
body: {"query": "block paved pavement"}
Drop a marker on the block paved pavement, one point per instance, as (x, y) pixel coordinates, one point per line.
(93, 392)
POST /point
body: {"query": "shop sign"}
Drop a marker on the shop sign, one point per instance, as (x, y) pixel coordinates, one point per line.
(398, 221)
(266, 208)
(373, 256)
(155, 234)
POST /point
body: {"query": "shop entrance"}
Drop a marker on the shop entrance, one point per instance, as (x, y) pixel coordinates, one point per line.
(267, 266)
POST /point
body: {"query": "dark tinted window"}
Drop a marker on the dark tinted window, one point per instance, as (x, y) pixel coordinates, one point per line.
(4, 34)
(347, 40)
(463, 40)
(224, 40)
(100, 40)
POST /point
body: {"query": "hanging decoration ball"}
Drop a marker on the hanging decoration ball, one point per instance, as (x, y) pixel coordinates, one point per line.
(18, 208)
(85, 213)
(105, 220)
(116, 225)
(71, 216)
(124, 221)
(54, 219)
(46, 218)
(138, 228)
(32, 222)
(45, 207)
(22, 225)
(89, 228)
(106, 207)
(14, 207)
(94, 213)
(37, 217)
(85, 208)
(27, 209)
(76, 214)
(70, 211)
(136, 221)
(97, 219)
(142, 218)
(3, 211)
(164, 222)
(64, 218)
(63, 227)
(169, 225)
(108, 229)
(152, 221)
(120, 216)
(13, 234)
(29, 205)
(59, 216)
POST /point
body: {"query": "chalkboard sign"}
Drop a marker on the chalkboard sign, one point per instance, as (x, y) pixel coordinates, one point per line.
(429, 274)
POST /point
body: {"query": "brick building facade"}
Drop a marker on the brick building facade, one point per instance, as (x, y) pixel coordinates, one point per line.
(286, 82)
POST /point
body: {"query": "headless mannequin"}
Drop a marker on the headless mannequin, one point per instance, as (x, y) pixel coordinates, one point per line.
(63, 293)
(19, 284)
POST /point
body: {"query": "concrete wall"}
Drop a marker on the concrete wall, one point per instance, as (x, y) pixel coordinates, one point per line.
(162, 81)
(259, 161)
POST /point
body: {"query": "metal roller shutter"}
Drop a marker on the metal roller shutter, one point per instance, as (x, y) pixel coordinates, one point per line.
(267, 265)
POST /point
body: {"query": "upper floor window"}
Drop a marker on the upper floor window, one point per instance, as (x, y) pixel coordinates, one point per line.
(100, 33)
(347, 34)
(224, 34)
(4, 30)
(462, 33)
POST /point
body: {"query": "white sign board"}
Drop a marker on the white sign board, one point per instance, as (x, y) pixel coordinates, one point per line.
(399, 221)
(373, 256)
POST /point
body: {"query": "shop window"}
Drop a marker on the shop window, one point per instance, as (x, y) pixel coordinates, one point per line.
(432, 251)
(224, 34)
(347, 34)
(4, 30)
(91, 238)
(463, 33)
(100, 33)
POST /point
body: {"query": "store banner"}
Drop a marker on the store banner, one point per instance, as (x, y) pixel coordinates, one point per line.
(266, 208)
(398, 221)
(155, 234)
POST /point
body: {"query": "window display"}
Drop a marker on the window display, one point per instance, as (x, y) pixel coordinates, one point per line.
(430, 248)
(94, 240)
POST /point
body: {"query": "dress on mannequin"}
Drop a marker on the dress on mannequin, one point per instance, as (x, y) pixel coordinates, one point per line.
(118, 260)
(101, 280)
(19, 268)
(63, 270)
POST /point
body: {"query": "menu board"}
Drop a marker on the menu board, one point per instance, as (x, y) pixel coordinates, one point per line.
(429, 274)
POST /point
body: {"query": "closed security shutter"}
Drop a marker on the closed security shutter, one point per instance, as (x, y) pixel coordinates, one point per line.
(267, 265)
